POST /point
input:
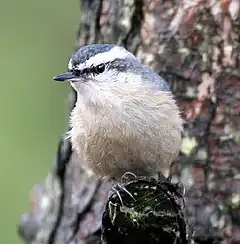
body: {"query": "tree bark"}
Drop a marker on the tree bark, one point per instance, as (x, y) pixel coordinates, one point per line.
(195, 46)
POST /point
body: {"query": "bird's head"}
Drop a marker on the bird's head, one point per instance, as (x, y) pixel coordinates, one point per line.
(98, 63)
(105, 71)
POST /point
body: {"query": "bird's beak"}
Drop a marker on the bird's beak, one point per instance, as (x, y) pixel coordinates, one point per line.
(65, 77)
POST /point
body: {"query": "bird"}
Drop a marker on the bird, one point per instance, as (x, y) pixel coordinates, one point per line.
(126, 119)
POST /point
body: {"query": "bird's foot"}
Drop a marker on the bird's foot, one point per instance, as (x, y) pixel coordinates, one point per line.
(126, 176)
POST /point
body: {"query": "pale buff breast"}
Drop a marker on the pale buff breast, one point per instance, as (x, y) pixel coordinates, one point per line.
(139, 136)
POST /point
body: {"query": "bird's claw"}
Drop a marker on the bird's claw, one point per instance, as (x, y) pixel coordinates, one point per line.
(118, 187)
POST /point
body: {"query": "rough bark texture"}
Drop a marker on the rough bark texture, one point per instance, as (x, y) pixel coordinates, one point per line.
(195, 46)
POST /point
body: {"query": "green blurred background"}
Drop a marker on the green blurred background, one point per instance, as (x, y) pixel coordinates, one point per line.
(37, 38)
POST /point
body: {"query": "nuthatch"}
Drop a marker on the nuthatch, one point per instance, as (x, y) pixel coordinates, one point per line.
(125, 118)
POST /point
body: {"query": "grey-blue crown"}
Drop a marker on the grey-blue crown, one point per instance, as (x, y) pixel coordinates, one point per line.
(86, 52)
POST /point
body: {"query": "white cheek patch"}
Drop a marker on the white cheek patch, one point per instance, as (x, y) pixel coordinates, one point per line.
(115, 53)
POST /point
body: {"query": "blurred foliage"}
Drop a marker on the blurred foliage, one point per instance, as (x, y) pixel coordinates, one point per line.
(37, 38)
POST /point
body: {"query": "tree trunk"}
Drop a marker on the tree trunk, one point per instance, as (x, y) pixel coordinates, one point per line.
(195, 46)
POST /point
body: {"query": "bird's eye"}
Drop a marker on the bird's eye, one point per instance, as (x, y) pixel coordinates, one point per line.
(100, 68)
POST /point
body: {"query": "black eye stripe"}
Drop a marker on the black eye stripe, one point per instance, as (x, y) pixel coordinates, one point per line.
(91, 70)
(76, 72)
(85, 71)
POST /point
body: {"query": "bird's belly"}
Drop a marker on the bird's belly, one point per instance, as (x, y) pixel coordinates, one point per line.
(112, 152)
(142, 142)
(114, 156)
